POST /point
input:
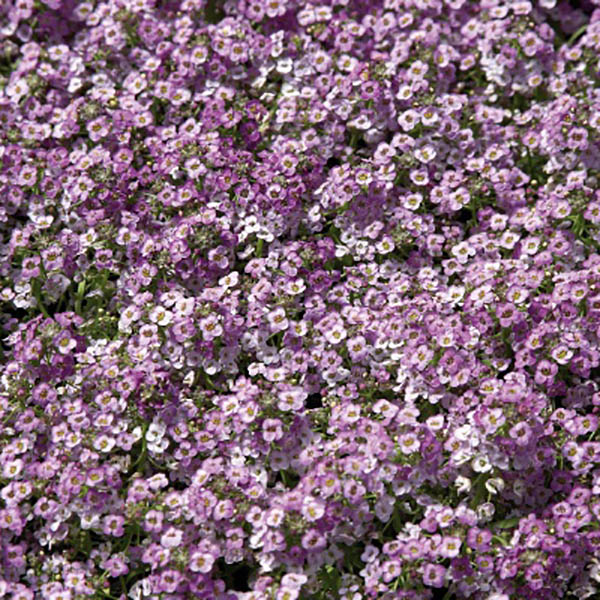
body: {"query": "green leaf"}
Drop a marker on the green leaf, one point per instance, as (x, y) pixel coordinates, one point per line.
(79, 297)
(259, 247)
(507, 523)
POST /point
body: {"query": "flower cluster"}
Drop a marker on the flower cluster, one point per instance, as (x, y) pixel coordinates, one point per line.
(300, 299)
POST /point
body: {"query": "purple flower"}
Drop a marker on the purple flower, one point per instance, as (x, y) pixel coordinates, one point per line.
(545, 372)
(313, 541)
(169, 580)
(210, 328)
(201, 562)
(390, 569)
(277, 320)
(562, 354)
(113, 525)
(313, 509)
(521, 433)
(433, 575)
(535, 575)
(292, 399)
(408, 443)
(116, 566)
(479, 539)
(272, 430)
(450, 547)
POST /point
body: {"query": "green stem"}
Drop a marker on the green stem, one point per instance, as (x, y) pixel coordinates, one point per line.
(142, 455)
(35, 288)
(447, 595)
(578, 33)
(10, 415)
(529, 162)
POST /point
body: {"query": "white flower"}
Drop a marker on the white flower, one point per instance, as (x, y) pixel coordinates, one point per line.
(463, 433)
(518, 487)
(425, 154)
(336, 334)
(140, 589)
(481, 464)
(294, 580)
(595, 570)
(485, 511)
(156, 431)
(184, 306)
(460, 457)
(278, 320)
(266, 561)
(104, 443)
(161, 316)
(230, 280)
(462, 252)
(171, 538)
(295, 287)
(284, 65)
(12, 468)
(158, 447)
(494, 485)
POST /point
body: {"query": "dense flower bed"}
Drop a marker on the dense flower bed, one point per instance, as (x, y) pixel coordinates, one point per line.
(299, 300)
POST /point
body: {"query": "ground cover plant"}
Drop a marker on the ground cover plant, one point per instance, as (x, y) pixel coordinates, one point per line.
(299, 300)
